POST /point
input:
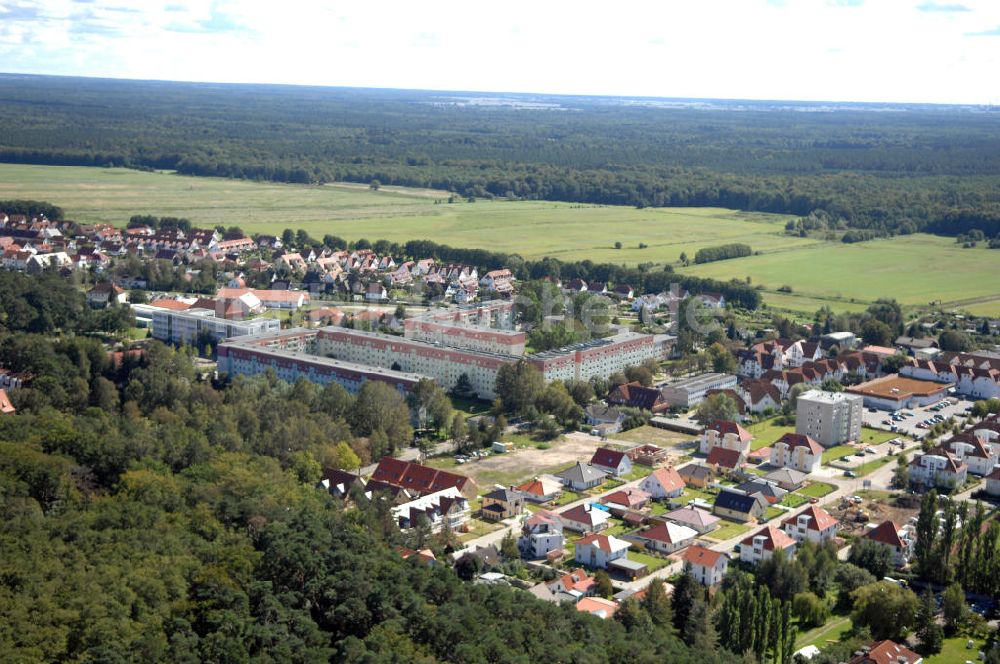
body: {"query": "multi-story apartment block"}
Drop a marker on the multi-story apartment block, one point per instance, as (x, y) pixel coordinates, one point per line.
(188, 325)
(829, 418)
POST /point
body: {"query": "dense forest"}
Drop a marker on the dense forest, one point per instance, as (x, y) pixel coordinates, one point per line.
(882, 167)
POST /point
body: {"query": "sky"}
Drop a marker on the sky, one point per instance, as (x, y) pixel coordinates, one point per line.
(832, 50)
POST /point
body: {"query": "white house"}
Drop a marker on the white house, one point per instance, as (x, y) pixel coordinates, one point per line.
(613, 462)
(993, 482)
(797, 451)
(978, 457)
(542, 533)
(727, 435)
(596, 550)
(761, 545)
(663, 483)
(706, 566)
(899, 540)
(814, 524)
(938, 468)
(585, 518)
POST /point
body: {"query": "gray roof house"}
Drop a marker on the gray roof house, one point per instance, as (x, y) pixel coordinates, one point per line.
(582, 476)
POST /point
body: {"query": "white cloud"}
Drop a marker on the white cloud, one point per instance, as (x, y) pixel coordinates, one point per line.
(890, 50)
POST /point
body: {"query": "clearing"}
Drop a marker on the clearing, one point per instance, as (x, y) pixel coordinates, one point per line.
(523, 464)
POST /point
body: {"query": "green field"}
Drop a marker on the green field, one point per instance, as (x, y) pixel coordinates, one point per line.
(915, 269)
(766, 433)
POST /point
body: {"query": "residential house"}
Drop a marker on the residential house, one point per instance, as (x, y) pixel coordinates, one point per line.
(665, 537)
(727, 435)
(899, 540)
(418, 479)
(625, 500)
(597, 606)
(604, 419)
(425, 556)
(992, 480)
(541, 535)
(596, 550)
(938, 468)
(788, 479)
(663, 483)
(739, 506)
(622, 292)
(648, 454)
(713, 300)
(376, 293)
(708, 567)
(969, 449)
(797, 451)
(696, 475)
(585, 519)
(634, 395)
(105, 293)
(576, 583)
(761, 545)
(772, 493)
(723, 460)
(340, 482)
(445, 508)
(541, 489)
(814, 524)
(760, 396)
(501, 504)
(693, 517)
(582, 476)
(613, 462)
(885, 652)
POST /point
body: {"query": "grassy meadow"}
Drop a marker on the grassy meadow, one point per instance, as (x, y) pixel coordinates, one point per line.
(916, 269)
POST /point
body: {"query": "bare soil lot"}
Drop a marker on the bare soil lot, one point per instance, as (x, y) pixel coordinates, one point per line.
(524, 463)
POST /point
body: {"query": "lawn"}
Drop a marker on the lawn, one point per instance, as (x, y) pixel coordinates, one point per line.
(871, 466)
(766, 432)
(954, 651)
(835, 629)
(876, 436)
(837, 451)
(729, 530)
(654, 436)
(794, 500)
(691, 493)
(817, 490)
(567, 497)
(639, 471)
(652, 562)
(469, 407)
(773, 512)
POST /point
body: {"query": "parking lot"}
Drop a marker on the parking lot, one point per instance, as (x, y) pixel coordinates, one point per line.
(909, 419)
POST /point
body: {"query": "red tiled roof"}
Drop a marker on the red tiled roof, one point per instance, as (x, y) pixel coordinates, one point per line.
(886, 533)
(774, 539)
(725, 426)
(794, 440)
(819, 518)
(699, 555)
(668, 478)
(174, 305)
(607, 457)
(627, 497)
(720, 456)
(413, 476)
(6, 407)
(886, 652)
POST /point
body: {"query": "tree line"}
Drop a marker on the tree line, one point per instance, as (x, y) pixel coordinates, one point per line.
(722, 252)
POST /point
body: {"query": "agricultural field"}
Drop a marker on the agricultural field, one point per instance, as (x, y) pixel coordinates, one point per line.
(916, 269)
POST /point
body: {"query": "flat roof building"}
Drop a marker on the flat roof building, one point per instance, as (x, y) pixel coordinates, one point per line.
(829, 418)
(689, 392)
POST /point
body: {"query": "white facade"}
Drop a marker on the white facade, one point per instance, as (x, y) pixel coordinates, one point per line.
(541, 536)
(186, 326)
(971, 456)
(937, 470)
(710, 438)
(807, 527)
(829, 418)
(799, 458)
(690, 392)
(599, 550)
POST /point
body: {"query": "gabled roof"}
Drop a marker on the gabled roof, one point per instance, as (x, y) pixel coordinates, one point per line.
(543, 516)
(819, 519)
(886, 533)
(540, 487)
(668, 478)
(626, 497)
(636, 396)
(772, 493)
(504, 495)
(6, 407)
(414, 477)
(577, 579)
(720, 456)
(699, 555)
(794, 440)
(774, 539)
(725, 426)
(584, 514)
(738, 502)
(886, 652)
(606, 543)
(597, 606)
(786, 476)
(607, 457)
(695, 471)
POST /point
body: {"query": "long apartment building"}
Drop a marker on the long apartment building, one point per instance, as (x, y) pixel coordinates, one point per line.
(442, 345)
(291, 355)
